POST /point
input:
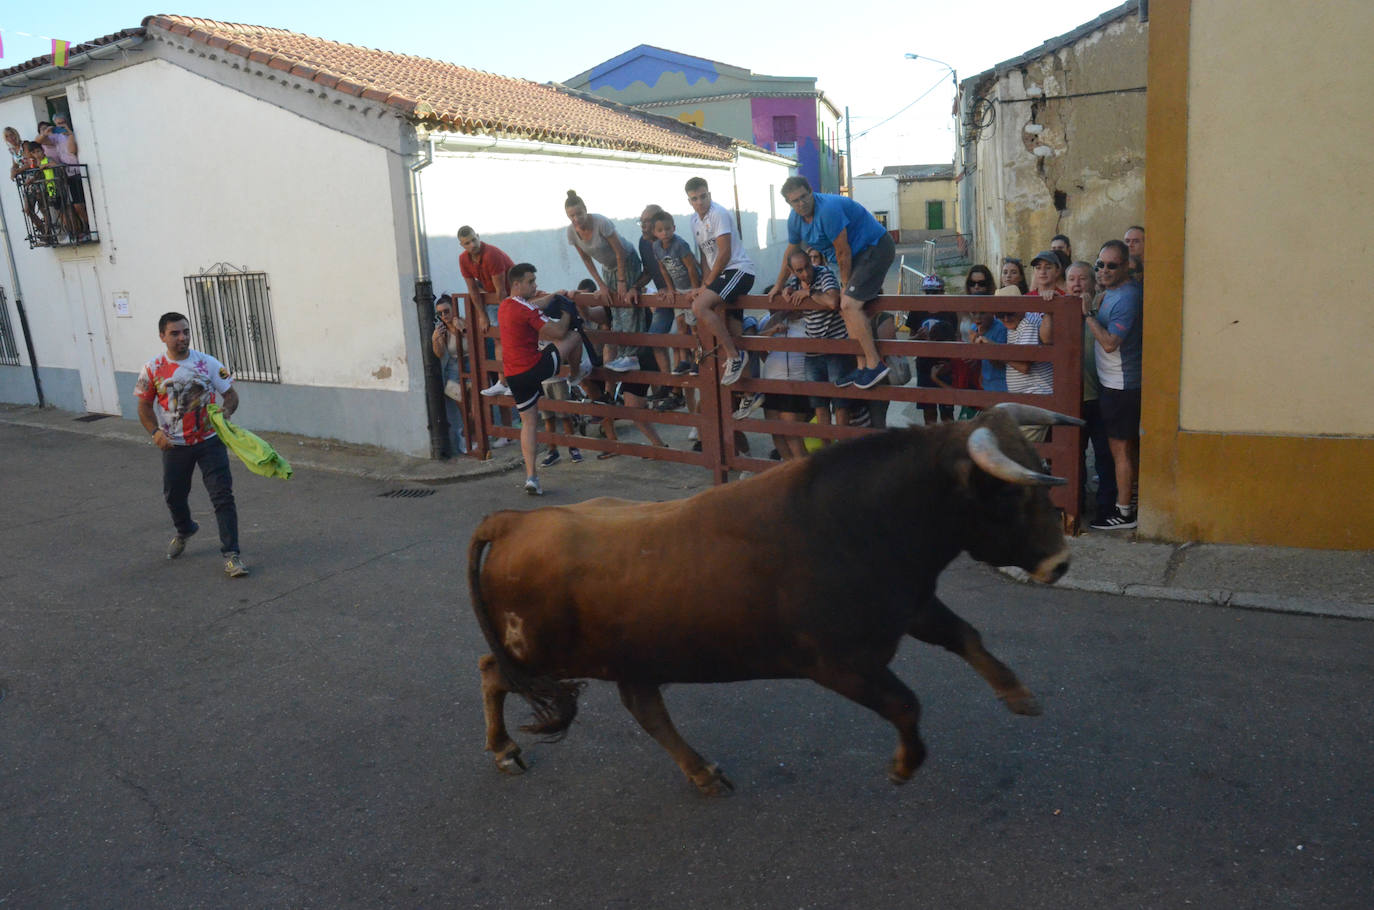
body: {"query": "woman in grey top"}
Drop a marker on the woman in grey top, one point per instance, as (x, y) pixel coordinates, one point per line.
(597, 241)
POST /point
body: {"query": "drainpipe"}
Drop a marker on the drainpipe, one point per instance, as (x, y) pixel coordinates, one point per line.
(19, 306)
(435, 410)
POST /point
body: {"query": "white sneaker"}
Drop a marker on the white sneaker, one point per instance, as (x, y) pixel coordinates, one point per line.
(501, 442)
(693, 434)
(496, 388)
(532, 487)
(623, 364)
(735, 369)
(751, 403)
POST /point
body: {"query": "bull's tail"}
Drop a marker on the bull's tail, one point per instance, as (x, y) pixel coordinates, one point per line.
(553, 701)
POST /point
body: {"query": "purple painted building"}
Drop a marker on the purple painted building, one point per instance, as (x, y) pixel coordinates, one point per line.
(786, 115)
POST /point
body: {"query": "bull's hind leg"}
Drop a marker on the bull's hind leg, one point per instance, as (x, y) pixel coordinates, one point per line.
(937, 624)
(499, 743)
(882, 692)
(645, 702)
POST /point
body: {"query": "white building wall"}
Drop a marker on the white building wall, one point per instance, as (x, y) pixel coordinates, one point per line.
(879, 193)
(247, 183)
(263, 189)
(514, 200)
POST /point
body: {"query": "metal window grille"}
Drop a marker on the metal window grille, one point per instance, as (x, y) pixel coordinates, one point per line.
(231, 320)
(9, 349)
(48, 202)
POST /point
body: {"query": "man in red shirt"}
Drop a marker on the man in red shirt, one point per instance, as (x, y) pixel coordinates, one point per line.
(484, 268)
(523, 327)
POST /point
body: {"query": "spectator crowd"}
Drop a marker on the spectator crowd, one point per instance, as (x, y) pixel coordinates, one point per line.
(46, 169)
(836, 260)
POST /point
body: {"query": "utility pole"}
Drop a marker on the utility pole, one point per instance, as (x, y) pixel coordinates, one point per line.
(848, 157)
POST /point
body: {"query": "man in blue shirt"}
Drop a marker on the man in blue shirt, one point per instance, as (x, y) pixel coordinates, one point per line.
(862, 251)
(1118, 348)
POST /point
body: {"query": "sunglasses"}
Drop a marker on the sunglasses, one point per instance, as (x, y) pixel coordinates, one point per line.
(978, 283)
(1011, 260)
(1109, 266)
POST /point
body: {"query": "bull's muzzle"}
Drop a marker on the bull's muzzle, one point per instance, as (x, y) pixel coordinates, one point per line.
(1052, 568)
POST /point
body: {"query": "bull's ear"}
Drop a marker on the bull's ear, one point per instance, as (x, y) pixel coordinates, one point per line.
(963, 473)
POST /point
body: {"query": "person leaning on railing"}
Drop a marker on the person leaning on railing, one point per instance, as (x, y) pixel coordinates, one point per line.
(15, 146)
(1034, 377)
(40, 191)
(65, 144)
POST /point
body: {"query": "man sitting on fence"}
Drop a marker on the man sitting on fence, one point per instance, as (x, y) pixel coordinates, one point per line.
(729, 273)
(861, 249)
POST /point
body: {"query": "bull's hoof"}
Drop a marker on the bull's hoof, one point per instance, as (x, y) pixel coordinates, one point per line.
(510, 762)
(899, 775)
(1022, 702)
(713, 782)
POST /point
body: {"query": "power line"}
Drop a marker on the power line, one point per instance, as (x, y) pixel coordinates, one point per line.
(939, 82)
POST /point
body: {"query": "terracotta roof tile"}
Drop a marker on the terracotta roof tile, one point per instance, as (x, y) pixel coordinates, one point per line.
(444, 95)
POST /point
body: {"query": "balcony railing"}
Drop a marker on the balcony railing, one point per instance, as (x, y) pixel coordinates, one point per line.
(55, 203)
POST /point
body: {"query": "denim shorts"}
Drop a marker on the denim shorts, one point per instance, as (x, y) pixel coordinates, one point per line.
(663, 320)
(828, 368)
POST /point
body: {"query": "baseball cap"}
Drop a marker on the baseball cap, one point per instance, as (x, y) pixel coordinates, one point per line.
(1049, 256)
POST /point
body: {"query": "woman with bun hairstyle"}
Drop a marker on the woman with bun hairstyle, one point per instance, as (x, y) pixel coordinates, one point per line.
(599, 243)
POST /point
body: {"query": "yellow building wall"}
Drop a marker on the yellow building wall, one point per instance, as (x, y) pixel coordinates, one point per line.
(1258, 402)
(913, 195)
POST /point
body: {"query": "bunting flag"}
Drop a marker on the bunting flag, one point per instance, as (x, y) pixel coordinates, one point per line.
(2, 46)
(60, 48)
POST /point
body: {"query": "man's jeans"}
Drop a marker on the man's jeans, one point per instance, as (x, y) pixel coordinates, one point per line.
(178, 465)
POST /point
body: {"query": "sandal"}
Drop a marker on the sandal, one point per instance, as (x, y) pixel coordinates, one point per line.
(602, 456)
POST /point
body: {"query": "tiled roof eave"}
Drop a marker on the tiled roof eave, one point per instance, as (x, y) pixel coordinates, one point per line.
(448, 97)
(558, 138)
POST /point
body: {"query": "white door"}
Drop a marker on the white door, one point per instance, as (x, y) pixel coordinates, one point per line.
(90, 338)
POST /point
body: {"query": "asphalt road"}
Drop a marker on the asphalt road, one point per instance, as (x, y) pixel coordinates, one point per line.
(311, 736)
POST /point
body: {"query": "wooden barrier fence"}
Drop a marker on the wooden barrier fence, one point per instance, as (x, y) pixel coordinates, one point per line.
(715, 421)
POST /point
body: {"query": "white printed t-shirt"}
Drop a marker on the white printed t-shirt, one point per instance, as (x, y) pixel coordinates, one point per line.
(717, 223)
(180, 390)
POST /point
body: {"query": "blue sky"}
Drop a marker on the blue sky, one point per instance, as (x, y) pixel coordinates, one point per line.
(856, 48)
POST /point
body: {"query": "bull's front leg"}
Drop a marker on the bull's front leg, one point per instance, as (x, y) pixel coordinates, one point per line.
(499, 743)
(937, 624)
(645, 702)
(879, 690)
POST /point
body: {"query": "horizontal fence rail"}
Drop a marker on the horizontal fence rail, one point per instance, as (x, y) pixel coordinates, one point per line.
(714, 418)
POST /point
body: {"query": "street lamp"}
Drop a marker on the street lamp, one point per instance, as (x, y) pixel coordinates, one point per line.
(953, 75)
(951, 69)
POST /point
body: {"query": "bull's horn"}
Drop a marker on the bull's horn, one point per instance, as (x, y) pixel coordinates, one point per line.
(988, 455)
(1028, 415)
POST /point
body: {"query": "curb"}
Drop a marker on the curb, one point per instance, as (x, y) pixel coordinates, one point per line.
(1242, 600)
(424, 475)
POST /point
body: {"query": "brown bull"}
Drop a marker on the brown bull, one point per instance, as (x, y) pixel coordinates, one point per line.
(814, 569)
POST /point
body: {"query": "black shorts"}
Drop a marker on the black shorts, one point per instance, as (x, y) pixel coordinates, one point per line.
(646, 363)
(732, 284)
(787, 403)
(870, 270)
(1120, 409)
(528, 386)
(75, 191)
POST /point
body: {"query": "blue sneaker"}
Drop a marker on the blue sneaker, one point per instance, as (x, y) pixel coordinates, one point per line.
(847, 378)
(575, 454)
(867, 379)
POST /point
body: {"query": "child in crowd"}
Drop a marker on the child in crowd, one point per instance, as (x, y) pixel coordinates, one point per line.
(678, 266)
